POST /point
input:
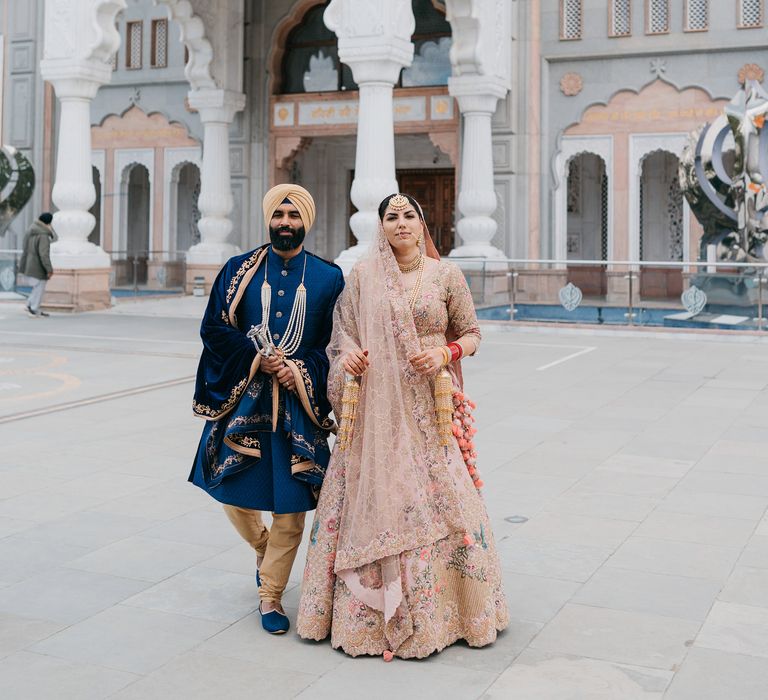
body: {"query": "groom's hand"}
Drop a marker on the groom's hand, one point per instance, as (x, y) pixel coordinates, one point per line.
(271, 365)
(285, 377)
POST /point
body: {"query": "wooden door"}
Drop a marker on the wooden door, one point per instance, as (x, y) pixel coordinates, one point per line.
(435, 190)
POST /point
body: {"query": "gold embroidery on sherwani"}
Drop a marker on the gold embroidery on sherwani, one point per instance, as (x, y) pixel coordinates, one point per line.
(305, 389)
(247, 271)
(301, 464)
(255, 419)
(212, 414)
(218, 468)
(244, 444)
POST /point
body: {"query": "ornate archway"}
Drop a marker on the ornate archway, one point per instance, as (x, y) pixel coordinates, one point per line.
(658, 116)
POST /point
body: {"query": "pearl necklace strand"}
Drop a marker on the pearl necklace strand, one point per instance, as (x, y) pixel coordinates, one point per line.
(294, 331)
(414, 295)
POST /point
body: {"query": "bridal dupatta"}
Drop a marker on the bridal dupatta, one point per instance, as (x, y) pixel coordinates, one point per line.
(400, 493)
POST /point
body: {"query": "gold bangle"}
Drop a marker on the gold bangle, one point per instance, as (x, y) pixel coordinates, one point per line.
(446, 355)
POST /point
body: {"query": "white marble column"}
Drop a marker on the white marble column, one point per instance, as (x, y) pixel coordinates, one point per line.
(79, 39)
(73, 190)
(477, 98)
(375, 42)
(217, 109)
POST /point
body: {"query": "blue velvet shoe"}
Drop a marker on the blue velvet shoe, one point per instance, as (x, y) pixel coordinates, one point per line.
(274, 621)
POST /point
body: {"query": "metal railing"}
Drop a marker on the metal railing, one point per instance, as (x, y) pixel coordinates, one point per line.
(718, 294)
(147, 271)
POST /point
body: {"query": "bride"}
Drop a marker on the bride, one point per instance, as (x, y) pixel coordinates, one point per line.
(401, 559)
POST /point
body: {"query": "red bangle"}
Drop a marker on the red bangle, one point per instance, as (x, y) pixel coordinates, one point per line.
(457, 351)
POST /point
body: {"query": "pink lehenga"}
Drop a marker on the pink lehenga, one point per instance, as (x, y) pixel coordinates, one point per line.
(401, 556)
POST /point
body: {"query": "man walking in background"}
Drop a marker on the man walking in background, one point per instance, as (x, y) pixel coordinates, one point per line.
(36, 260)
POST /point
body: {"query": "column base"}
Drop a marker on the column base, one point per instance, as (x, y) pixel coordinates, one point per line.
(618, 287)
(542, 286)
(347, 259)
(480, 251)
(80, 289)
(207, 254)
(205, 273)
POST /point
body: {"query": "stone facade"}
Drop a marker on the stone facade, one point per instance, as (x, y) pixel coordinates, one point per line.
(534, 86)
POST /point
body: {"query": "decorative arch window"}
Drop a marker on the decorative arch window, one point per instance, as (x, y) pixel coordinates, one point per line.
(135, 44)
(751, 14)
(657, 17)
(570, 19)
(696, 15)
(159, 48)
(620, 18)
(311, 61)
(431, 47)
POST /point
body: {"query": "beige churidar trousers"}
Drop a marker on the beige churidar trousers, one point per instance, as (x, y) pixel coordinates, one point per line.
(278, 545)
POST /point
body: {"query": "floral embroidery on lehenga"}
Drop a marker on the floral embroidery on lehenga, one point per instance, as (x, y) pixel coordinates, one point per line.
(450, 590)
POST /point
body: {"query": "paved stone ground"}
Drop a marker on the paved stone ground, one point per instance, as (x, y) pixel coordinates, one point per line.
(638, 463)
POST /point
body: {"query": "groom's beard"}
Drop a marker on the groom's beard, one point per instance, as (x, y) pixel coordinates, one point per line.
(282, 242)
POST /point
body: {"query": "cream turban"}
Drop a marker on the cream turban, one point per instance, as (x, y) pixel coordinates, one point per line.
(297, 195)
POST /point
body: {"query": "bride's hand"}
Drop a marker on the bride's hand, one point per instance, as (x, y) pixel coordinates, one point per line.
(428, 361)
(356, 362)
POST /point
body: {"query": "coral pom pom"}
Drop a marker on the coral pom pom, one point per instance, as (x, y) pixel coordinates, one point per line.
(471, 471)
(388, 656)
(473, 431)
(460, 395)
(479, 484)
(463, 444)
(473, 404)
(455, 430)
(471, 445)
(467, 540)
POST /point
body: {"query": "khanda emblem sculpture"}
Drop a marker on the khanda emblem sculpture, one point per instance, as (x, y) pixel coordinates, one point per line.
(17, 181)
(723, 174)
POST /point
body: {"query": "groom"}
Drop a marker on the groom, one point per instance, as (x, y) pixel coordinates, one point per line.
(261, 386)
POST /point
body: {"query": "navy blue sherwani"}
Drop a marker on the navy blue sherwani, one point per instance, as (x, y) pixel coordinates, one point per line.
(263, 447)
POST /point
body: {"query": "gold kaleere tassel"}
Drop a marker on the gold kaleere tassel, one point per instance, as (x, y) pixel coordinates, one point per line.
(349, 400)
(444, 406)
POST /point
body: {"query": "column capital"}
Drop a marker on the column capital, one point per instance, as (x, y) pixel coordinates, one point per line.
(75, 78)
(374, 38)
(216, 105)
(477, 93)
(378, 62)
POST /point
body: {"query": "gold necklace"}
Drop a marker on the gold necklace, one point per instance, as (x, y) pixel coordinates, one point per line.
(416, 287)
(413, 265)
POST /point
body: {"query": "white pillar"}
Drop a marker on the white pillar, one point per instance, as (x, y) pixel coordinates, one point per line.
(477, 98)
(375, 42)
(79, 38)
(73, 191)
(374, 164)
(217, 109)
